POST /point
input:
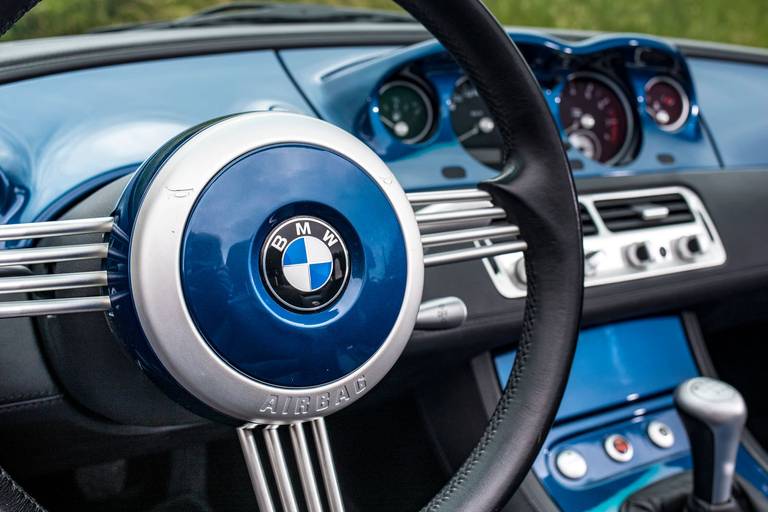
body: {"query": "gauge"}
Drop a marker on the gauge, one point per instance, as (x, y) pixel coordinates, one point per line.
(473, 124)
(596, 117)
(667, 103)
(406, 110)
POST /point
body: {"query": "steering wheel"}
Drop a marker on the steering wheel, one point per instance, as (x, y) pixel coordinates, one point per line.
(266, 270)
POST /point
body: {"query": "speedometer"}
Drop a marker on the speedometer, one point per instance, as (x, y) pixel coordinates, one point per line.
(596, 117)
(473, 125)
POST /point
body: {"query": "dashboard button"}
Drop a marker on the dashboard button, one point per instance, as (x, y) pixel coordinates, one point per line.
(571, 464)
(619, 448)
(660, 434)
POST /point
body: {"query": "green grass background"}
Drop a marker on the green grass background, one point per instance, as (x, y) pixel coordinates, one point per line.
(731, 21)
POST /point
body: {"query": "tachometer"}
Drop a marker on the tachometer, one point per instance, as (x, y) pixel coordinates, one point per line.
(473, 124)
(406, 111)
(667, 103)
(596, 117)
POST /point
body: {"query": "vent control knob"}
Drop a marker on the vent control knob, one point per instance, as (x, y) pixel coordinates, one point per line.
(690, 247)
(639, 254)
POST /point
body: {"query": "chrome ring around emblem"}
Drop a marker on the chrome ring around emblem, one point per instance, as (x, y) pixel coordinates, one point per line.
(304, 263)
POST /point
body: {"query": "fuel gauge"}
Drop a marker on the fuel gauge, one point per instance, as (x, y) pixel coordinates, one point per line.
(667, 103)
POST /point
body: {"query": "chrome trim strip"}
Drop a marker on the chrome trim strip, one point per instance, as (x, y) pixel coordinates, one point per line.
(306, 471)
(52, 254)
(38, 283)
(607, 260)
(255, 468)
(448, 196)
(54, 306)
(327, 467)
(55, 228)
(492, 213)
(280, 469)
(473, 253)
(468, 235)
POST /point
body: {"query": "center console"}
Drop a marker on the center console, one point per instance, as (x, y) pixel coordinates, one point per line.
(617, 431)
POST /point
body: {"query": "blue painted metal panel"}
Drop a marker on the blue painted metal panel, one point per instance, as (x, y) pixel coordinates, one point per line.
(221, 258)
(62, 131)
(620, 363)
(734, 103)
(622, 379)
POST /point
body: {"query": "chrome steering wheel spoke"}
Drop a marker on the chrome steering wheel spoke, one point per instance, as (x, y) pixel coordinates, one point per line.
(450, 220)
(289, 477)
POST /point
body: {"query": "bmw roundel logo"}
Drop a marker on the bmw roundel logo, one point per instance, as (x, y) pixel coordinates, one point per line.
(304, 263)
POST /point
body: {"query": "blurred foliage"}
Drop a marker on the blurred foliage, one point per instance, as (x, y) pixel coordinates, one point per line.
(731, 21)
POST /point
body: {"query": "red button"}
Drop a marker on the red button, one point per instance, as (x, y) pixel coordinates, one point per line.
(618, 448)
(621, 444)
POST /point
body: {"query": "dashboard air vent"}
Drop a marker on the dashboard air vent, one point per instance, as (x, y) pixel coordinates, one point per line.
(644, 212)
(587, 224)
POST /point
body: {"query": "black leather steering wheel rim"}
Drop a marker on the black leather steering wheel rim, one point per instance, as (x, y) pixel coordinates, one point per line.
(536, 188)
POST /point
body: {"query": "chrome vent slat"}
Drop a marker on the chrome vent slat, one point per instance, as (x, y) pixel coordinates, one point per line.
(468, 235)
(60, 253)
(55, 228)
(14, 301)
(50, 282)
(54, 306)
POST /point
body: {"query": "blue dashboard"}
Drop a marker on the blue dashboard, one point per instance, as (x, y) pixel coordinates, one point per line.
(65, 134)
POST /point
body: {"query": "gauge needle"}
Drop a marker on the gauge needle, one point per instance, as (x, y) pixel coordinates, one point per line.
(470, 133)
(485, 125)
(400, 128)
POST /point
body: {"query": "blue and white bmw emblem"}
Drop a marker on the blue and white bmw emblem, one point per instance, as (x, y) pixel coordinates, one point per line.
(304, 263)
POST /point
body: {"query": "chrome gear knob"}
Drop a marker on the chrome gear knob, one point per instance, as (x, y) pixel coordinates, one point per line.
(714, 414)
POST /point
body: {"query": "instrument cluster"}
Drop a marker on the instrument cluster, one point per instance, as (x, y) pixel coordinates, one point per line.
(605, 103)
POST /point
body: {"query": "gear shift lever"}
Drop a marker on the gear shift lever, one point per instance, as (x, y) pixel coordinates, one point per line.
(713, 413)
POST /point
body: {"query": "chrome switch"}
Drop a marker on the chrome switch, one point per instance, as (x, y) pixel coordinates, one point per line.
(639, 254)
(690, 247)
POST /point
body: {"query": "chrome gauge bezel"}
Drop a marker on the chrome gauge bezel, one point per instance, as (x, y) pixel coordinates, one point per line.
(686, 112)
(622, 95)
(420, 90)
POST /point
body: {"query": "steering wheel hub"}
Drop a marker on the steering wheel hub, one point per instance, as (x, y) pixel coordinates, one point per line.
(273, 268)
